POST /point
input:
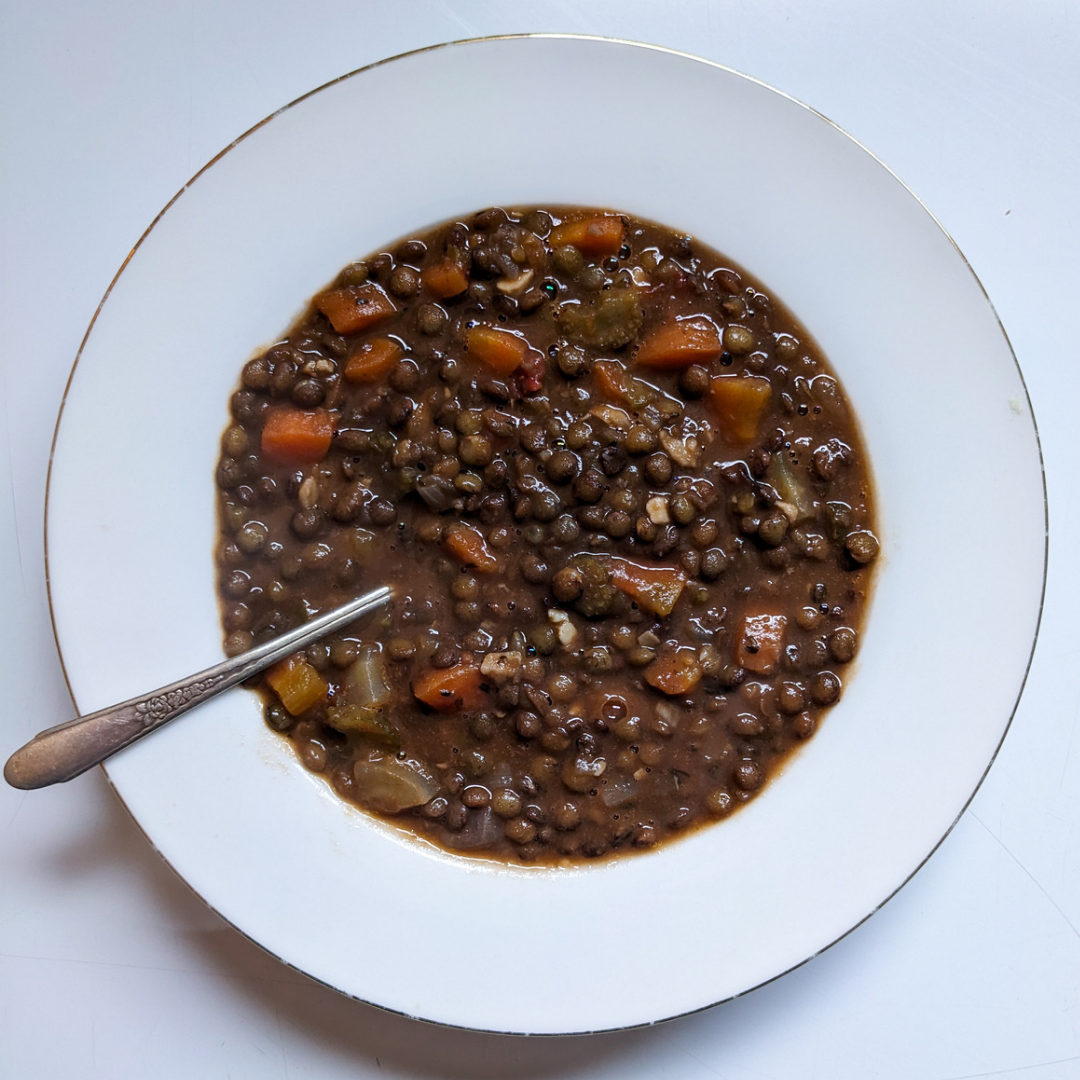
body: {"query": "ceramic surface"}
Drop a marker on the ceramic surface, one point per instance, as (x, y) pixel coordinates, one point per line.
(946, 420)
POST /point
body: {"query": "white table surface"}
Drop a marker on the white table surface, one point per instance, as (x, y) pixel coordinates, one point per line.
(111, 968)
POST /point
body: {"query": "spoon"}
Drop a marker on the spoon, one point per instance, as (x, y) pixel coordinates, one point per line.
(63, 752)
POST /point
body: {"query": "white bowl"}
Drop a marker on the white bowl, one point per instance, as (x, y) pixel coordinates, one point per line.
(947, 422)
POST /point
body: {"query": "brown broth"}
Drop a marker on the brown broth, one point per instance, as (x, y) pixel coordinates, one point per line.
(625, 508)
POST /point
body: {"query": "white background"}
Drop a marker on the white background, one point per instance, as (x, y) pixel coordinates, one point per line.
(111, 968)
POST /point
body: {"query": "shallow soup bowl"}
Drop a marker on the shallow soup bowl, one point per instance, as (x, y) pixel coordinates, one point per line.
(347, 169)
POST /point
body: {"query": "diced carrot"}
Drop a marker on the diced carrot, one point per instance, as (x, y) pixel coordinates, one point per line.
(758, 641)
(297, 436)
(739, 403)
(355, 307)
(601, 235)
(612, 378)
(680, 344)
(609, 377)
(499, 349)
(445, 279)
(674, 672)
(297, 684)
(469, 547)
(654, 588)
(373, 360)
(449, 689)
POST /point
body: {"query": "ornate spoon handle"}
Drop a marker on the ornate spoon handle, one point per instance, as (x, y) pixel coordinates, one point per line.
(63, 752)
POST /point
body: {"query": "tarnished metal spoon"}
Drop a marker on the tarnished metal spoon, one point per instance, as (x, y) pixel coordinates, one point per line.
(63, 752)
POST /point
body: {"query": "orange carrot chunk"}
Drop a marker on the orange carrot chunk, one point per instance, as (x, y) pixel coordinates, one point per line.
(758, 641)
(674, 672)
(449, 689)
(297, 436)
(739, 403)
(612, 378)
(654, 588)
(297, 684)
(373, 360)
(680, 344)
(355, 307)
(609, 377)
(469, 547)
(445, 279)
(499, 349)
(602, 235)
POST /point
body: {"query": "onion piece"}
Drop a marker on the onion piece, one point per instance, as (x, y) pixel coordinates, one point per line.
(683, 449)
(438, 492)
(619, 793)
(389, 786)
(482, 829)
(367, 683)
(613, 416)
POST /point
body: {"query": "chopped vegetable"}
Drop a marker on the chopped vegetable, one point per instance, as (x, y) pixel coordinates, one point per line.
(581, 773)
(355, 307)
(680, 344)
(739, 403)
(445, 279)
(682, 448)
(499, 349)
(389, 786)
(758, 641)
(513, 286)
(449, 689)
(609, 322)
(297, 684)
(795, 500)
(619, 793)
(370, 722)
(531, 373)
(469, 547)
(654, 588)
(600, 235)
(482, 830)
(437, 491)
(297, 436)
(361, 545)
(674, 672)
(659, 510)
(597, 590)
(367, 682)
(501, 666)
(612, 378)
(373, 360)
(613, 416)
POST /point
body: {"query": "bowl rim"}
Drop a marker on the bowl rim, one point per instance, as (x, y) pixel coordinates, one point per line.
(631, 44)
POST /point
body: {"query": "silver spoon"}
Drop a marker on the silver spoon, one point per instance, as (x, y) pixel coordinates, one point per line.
(63, 752)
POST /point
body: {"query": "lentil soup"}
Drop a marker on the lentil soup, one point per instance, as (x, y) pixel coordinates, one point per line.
(625, 508)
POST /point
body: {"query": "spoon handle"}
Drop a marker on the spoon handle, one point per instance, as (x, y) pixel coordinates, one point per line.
(63, 752)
